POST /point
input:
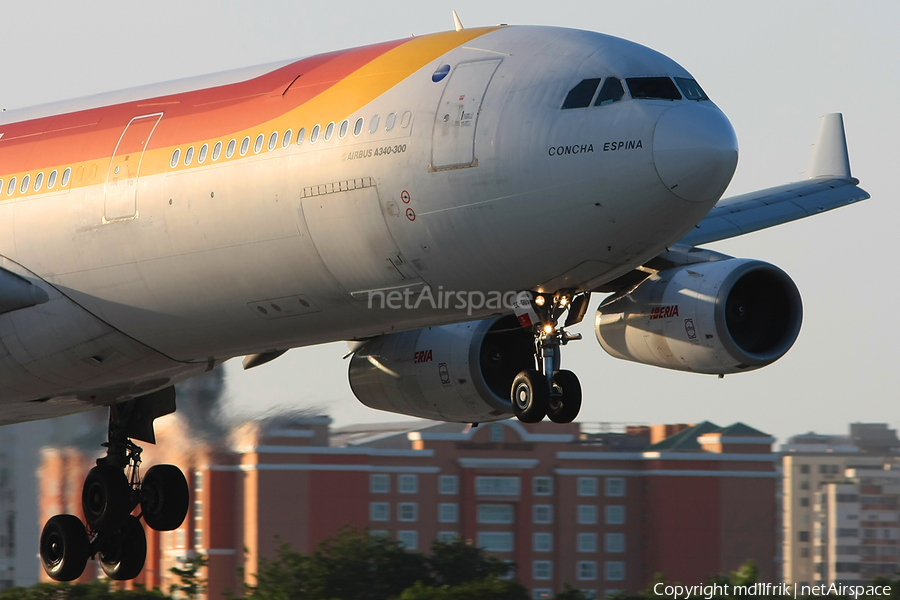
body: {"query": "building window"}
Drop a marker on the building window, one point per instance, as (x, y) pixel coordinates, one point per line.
(447, 536)
(804, 501)
(379, 483)
(496, 432)
(542, 542)
(587, 514)
(409, 539)
(804, 485)
(615, 487)
(198, 538)
(615, 570)
(407, 511)
(408, 484)
(614, 542)
(542, 513)
(382, 533)
(542, 486)
(495, 513)
(804, 469)
(803, 536)
(496, 541)
(179, 538)
(587, 486)
(615, 515)
(448, 513)
(448, 484)
(497, 486)
(804, 552)
(541, 569)
(379, 511)
(587, 542)
(587, 570)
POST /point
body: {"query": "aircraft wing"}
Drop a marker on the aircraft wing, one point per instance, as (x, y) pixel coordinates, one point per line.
(829, 185)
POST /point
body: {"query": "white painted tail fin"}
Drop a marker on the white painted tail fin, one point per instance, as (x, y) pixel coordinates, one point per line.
(457, 22)
(829, 157)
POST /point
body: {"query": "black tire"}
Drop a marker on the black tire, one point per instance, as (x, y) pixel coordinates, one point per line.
(125, 551)
(164, 497)
(564, 408)
(530, 396)
(64, 548)
(105, 498)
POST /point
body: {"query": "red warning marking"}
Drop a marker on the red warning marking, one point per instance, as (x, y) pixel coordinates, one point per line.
(404, 195)
(410, 214)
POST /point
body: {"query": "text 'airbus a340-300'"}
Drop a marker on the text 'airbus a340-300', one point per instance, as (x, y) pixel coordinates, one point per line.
(446, 203)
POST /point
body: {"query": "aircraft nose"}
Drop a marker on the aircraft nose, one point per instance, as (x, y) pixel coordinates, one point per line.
(695, 151)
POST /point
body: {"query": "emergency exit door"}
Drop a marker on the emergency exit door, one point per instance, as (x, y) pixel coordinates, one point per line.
(120, 197)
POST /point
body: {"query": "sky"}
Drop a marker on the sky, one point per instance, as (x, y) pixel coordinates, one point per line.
(773, 67)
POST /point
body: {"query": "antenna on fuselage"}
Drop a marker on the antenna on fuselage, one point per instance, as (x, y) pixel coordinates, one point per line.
(457, 22)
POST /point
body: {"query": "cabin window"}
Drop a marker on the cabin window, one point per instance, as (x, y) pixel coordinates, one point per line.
(1, 186)
(357, 127)
(300, 135)
(653, 88)
(405, 120)
(188, 156)
(25, 181)
(229, 151)
(612, 91)
(581, 95)
(273, 140)
(38, 181)
(176, 155)
(51, 181)
(286, 139)
(390, 121)
(691, 89)
(245, 145)
(329, 131)
(201, 156)
(345, 125)
(11, 188)
(217, 151)
(66, 175)
(373, 124)
(314, 134)
(257, 147)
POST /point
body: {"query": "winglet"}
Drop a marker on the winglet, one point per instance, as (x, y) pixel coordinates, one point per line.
(829, 157)
(457, 22)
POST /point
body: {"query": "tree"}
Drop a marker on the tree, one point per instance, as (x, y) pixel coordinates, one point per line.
(96, 590)
(479, 589)
(747, 574)
(456, 561)
(191, 584)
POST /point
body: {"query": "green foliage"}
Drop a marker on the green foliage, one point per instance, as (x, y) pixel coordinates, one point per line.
(190, 585)
(455, 562)
(479, 589)
(747, 574)
(570, 593)
(96, 590)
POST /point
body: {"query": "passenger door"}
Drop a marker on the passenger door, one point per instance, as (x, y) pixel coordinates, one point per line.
(120, 195)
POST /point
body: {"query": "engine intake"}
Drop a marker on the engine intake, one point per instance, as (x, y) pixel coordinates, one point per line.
(719, 317)
(462, 372)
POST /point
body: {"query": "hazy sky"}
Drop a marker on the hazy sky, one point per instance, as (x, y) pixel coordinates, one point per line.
(773, 67)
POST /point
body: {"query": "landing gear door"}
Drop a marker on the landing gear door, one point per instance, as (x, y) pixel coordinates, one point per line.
(453, 137)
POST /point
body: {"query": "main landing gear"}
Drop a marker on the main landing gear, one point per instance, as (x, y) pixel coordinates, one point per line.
(547, 390)
(109, 497)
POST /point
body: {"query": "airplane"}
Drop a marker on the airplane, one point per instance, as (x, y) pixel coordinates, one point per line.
(446, 203)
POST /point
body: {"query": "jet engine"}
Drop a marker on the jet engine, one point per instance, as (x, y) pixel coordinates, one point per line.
(462, 372)
(720, 317)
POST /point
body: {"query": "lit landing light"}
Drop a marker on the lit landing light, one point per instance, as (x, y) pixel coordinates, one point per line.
(540, 300)
(548, 329)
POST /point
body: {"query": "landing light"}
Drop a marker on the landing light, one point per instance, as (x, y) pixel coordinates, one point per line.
(548, 329)
(540, 300)
(563, 301)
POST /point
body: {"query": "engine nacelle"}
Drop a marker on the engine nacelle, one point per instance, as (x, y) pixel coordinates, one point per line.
(721, 317)
(462, 372)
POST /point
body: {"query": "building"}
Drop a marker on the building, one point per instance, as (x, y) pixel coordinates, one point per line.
(809, 463)
(602, 511)
(857, 526)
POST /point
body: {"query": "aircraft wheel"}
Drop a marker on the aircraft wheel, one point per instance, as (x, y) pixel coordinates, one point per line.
(64, 548)
(565, 407)
(105, 498)
(164, 497)
(530, 396)
(125, 552)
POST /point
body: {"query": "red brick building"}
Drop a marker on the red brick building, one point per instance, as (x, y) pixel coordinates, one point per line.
(601, 512)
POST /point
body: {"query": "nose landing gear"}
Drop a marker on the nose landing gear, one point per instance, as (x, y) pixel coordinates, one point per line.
(547, 390)
(109, 497)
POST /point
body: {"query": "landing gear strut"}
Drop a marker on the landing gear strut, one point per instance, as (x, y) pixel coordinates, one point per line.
(547, 390)
(112, 491)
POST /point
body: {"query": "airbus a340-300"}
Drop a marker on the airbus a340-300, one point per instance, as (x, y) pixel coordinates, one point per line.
(446, 203)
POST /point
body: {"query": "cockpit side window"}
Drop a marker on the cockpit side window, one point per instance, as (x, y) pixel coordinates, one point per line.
(611, 91)
(581, 95)
(691, 89)
(653, 88)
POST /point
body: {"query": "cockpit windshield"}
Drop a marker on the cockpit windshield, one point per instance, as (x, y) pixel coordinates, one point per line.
(583, 93)
(611, 91)
(652, 88)
(691, 89)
